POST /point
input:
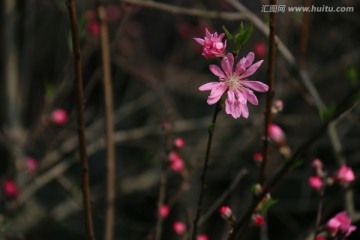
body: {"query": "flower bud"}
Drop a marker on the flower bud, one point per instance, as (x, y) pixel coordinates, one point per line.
(59, 116)
(225, 212)
(315, 183)
(276, 134)
(10, 189)
(179, 228)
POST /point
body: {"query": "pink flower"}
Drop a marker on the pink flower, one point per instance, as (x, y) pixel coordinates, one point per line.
(202, 237)
(258, 219)
(317, 164)
(225, 212)
(179, 228)
(345, 174)
(10, 189)
(258, 157)
(277, 106)
(59, 116)
(238, 87)
(164, 211)
(31, 164)
(315, 182)
(177, 165)
(340, 224)
(260, 49)
(93, 27)
(213, 46)
(179, 142)
(276, 134)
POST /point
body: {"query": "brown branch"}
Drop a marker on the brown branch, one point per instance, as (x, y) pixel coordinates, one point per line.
(270, 94)
(304, 36)
(81, 125)
(109, 124)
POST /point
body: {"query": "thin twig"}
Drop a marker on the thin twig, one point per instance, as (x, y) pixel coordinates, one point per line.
(320, 206)
(81, 125)
(109, 124)
(341, 108)
(203, 175)
(270, 94)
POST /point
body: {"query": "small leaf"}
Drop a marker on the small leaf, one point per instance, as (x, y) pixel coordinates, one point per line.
(229, 36)
(352, 76)
(241, 28)
(297, 164)
(268, 204)
(327, 112)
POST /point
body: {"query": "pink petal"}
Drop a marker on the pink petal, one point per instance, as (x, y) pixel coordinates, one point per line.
(249, 59)
(240, 67)
(207, 33)
(209, 86)
(227, 64)
(255, 85)
(244, 110)
(217, 71)
(250, 96)
(252, 69)
(199, 41)
(216, 93)
(229, 103)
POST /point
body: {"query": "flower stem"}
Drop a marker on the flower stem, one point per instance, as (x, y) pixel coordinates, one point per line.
(204, 170)
(81, 125)
(320, 206)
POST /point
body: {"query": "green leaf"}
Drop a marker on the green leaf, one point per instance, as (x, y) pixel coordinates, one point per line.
(327, 112)
(241, 28)
(297, 164)
(49, 89)
(268, 204)
(229, 36)
(352, 76)
(242, 37)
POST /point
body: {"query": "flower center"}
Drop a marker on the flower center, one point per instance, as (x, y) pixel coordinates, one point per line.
(233, 82)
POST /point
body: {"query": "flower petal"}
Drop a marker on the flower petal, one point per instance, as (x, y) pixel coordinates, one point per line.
(227, 64)
(250, 96)
(244, 110)
(217, 71)
(216, 93)
(229, 103)
(252, 69)
(255, 85)
(199, 41)
(209, 86)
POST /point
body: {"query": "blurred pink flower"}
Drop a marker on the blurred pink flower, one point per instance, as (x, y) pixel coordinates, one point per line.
(315, 182)
(277, 106)
(317, 164)
(258, 157)
(320, 237)
(276, 134)
(31, 164)
(345, 174)
(164, 211)
(238, 87)
(179, 142)
(93, 28)
(202, 237)
(340, 224)
(213, 46)
(179, 228)
(225, 212)
(59, 116)
(260, 49)
(258, 219)
(177, 165)
(10, 189)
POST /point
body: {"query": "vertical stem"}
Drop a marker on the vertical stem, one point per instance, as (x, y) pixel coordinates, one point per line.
(270, 93)
(161, 200)
(203, 175)
(304, 37)
(109, 124)
(320, 205)
(80, 120)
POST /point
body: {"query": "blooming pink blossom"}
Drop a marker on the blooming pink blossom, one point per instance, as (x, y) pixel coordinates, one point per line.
(345, 174)
(213, 46)
(59, 116)
(202, 237)
(179, 228)
(276, 134)
(258, 219)
(315, 182)
(258, 157)
(340, 224)
(260, 49)
(179, 142)
(164, 211)
(225, 212)
(238, 87)
(31, 164)
(10, 189)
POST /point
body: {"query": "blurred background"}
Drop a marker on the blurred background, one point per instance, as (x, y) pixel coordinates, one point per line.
(156, 71)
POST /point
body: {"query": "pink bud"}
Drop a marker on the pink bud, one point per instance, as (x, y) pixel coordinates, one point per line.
(59, 116)
(317, 164)
(340, 224)
(173, 156)
(164, 211)
(276, 134)
(315, 183)
(225, 212)
(260, 49)
(258, 158)
(93, 28)
(31, 164)
(179, 228)
(213, 45)
(277, 106)
(177, 165)
(179, 142)
(10, 189)
(202, 237)
(258, 219)
(344, 175)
